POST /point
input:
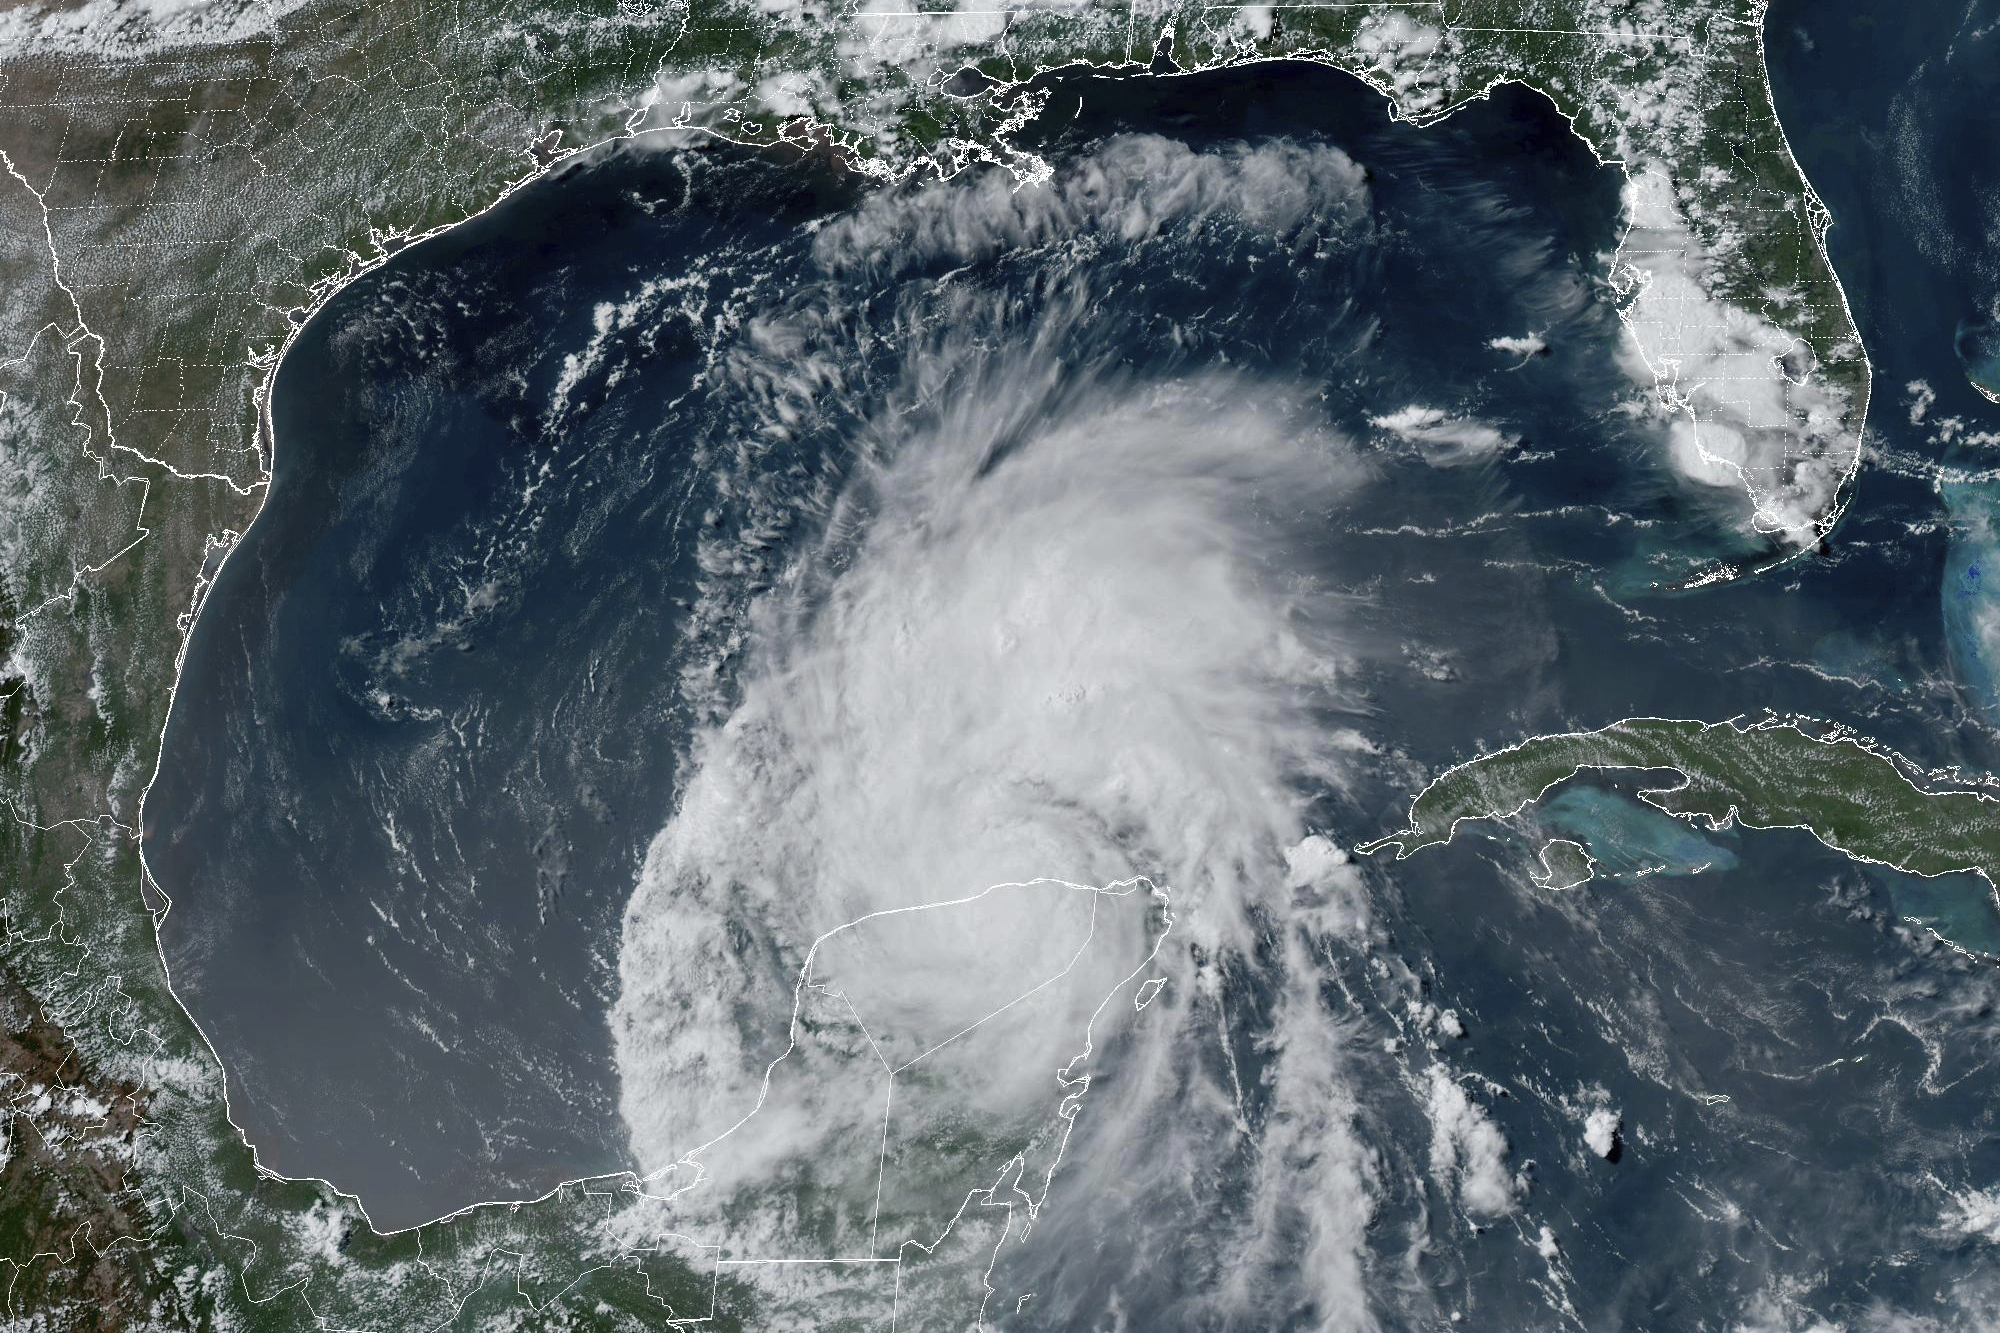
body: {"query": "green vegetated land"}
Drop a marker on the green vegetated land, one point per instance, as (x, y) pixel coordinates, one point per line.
(168, 212)
(1772, 773)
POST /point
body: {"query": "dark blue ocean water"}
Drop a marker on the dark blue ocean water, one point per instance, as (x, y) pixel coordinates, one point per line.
(533, 478)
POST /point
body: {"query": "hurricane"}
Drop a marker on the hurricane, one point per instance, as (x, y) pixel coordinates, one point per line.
(1063, 618)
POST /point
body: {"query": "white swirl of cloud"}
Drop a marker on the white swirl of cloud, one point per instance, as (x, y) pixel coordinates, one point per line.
(1077, 655)
(1061, 621)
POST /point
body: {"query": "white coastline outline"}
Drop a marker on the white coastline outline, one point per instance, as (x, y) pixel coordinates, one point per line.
(1952, 781)
(1545, 878)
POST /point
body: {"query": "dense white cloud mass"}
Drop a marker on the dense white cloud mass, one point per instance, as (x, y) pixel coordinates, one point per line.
(1743, 412)
(1975, 1213)
(1059, 656)
(1468, 1149)
(1136, 187)
(1441, 438)
(1057, 623)
(1524, 345)
(1600, 1131)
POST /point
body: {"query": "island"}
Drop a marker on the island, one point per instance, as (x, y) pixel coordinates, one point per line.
(1771, 772)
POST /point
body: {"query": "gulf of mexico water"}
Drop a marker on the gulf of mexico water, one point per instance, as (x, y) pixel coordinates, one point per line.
(706, 547)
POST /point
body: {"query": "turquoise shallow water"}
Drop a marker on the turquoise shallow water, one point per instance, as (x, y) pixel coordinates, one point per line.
(1959, 907)
(1629, 838)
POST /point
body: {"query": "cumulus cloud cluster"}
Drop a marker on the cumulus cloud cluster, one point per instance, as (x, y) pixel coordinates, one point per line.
(1600, 1131)
(1468, 1151)
(1444, 439)
(1747, 410)
(1140, 186)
